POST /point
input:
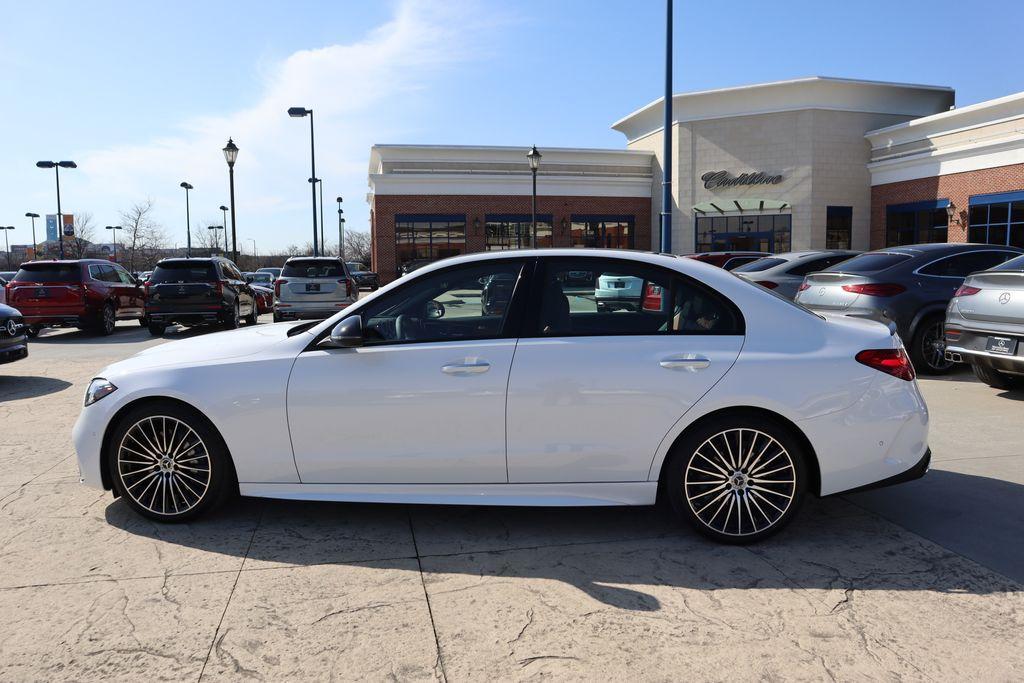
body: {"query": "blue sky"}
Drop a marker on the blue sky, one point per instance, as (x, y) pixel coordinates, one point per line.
(144, 95)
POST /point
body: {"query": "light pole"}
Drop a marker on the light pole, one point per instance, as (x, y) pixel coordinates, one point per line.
(341, 231)
(534, 157)
(234, 256)
(323, 241)
(5, 228)
(216, 240)
(254, 253)
(33, 216)
(666, 177)
(298, 113)
(230, 154)
(188, 222)
(115, 228)
(56, 166)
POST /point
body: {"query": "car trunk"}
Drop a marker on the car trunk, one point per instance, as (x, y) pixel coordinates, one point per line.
(41, 287)
(312, 289)
(1001, 298)
(825, 290)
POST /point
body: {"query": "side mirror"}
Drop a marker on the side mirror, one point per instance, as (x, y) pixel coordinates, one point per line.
(434, 310)
(348, 333)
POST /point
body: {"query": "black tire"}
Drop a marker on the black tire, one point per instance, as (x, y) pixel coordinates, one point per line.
(232, 319)
(196, 475)
(704, 485)
(928, 346)
(254, 316)
(107, 321)
(277, 317)
(994, 378)
(144, 321)
(157, 329)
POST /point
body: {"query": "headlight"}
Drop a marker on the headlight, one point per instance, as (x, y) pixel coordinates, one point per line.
(98, 388)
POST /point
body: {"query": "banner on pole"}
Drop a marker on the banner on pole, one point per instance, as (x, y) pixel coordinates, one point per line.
(51, 227)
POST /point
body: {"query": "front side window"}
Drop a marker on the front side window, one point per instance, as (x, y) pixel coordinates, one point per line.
(602, 232)
(462, 303)
(604, 297)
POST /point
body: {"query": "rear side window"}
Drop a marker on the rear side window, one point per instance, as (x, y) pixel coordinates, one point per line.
(759, 265)
(738, 261)
(816, 264)
(309, 267)
(1012, 264)
(48, 272)
(605, 297)
(183, 271)
(870, 263)
(963, 265)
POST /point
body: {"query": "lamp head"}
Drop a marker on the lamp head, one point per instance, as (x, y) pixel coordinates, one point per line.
(534, 158)
(45, 164)
(67, 164)
(31, 215)
(230, 152)
(187, 186)
(298, 112)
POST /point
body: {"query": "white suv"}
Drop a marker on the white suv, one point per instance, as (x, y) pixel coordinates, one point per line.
(311, 287)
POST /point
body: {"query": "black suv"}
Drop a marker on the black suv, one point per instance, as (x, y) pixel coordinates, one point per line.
(197, 291)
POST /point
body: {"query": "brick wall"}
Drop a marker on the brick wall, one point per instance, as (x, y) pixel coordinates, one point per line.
(385, 207)
(956, 187)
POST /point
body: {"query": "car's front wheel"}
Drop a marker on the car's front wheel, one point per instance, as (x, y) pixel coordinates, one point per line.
(108, 320)
(737, 478)
(168, 463)
(233, 317)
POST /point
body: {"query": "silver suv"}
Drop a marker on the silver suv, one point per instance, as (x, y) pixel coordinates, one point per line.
(311, 287)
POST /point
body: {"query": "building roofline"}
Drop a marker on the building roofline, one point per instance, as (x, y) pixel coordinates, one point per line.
(942, 115)
(508, 148)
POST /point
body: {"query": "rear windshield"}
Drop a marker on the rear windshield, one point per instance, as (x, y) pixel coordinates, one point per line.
(868, 263)
(759, 265)
(183, 271)
(262, 276)
(1012, 264)
(49, 272)
(309, 267)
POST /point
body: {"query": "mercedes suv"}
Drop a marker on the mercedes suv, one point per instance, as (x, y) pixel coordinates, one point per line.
(312, 287)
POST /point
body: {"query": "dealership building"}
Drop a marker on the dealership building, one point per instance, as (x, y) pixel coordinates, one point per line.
(809, 163)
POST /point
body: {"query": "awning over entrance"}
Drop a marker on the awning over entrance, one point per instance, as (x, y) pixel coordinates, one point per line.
(743, 205)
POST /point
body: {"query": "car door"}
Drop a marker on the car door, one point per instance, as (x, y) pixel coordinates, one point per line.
(592, 393)
(132, 298)
(423, 399)
(107, 282)
(236, 281)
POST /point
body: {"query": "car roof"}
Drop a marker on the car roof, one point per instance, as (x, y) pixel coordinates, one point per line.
(939, 247)
(191, 259)
(312, 258)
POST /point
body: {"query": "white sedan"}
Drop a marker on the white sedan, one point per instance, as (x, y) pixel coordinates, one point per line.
(716, 395)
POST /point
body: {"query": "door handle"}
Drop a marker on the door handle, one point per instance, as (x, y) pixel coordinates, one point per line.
(686, 362)
(466, 368)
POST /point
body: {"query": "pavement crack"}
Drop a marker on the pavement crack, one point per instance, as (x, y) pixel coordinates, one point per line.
(529, 621)
(438, 660)
(530, 660)
(844, 603)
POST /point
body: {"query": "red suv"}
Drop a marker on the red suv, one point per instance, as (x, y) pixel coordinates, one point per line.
(88, 294)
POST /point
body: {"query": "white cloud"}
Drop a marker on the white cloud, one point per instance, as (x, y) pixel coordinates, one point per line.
(353, 90)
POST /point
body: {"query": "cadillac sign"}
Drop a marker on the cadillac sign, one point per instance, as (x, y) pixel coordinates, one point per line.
(716, 179)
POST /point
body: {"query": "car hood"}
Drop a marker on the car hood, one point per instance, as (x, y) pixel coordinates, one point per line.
(206, 348)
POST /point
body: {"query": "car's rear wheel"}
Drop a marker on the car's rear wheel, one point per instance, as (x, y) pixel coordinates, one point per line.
(996, 379)
(737, 478)
(157, 329)
(254, 315)
(928, 348)
(168, 463)
(144, 321)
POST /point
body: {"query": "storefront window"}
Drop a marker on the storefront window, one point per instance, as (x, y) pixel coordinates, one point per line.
(838, 227)
(607, 232)
(919, 223)
(760, 232)
(512, 231)
(423, 238)
(992, 221)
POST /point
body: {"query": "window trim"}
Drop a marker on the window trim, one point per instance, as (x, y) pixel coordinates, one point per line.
(530, 324)
(917, 271)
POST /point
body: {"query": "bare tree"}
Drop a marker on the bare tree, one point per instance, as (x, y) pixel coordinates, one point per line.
(209, 241)
(143, 238)
(357, 246)
(78, 245)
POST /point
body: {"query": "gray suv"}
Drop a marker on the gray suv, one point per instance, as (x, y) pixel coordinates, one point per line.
(985, 325)
(909, 285)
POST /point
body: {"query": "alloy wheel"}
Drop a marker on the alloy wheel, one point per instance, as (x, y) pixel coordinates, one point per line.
(740, 482)
(164, 466)
(933, 347)
(109, 321)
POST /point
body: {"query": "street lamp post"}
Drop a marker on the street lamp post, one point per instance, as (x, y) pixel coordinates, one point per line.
(7, 242)
(216, 240)
(298, 113)
(115, 228)
(254, 253)
(188, 222)
(666, 176)
(341, 231)
(230, 154)
(33, 216)
(224, 222)
(56, 166)
(534, 158)
(323, 241)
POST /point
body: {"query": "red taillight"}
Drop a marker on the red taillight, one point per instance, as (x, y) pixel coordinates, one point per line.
(871, 289)
(348, 286)
(277, 287)
(966, 290)
(804, 285)
(145, 289)
(894, 362)
(768, 284)
(953, 334)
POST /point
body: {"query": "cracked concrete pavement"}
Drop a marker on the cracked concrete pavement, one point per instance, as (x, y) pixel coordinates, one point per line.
(918, 582)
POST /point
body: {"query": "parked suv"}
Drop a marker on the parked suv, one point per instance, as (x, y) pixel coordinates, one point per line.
(910, 286)
(784, 273)
(88, 294)
(363, 276)
(197, 291)
(312, 287)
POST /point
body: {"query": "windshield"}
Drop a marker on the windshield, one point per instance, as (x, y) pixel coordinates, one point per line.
(308, 267)
(869, 263)
(183, 271)
(1012, 264)
(262, 277)
(759, 265)
(354, 266)
(48, 272)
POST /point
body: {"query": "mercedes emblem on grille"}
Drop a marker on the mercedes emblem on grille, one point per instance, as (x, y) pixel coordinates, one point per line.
(12, 327)
(1004, 298)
